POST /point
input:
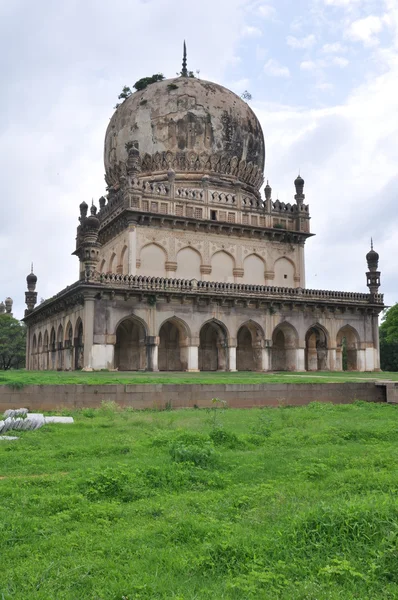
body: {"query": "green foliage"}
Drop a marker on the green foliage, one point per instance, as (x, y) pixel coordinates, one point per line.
(388, 352)
(141, 84)
(12, 343)
(159, 505)
(389, 325)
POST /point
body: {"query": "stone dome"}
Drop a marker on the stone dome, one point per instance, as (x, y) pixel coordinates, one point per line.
(185, 124)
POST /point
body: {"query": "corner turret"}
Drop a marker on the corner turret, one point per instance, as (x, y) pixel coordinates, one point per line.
(31, 294)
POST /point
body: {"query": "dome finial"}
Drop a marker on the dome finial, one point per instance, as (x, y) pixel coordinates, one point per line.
(184, 72)
(31, 268)
(371, 243)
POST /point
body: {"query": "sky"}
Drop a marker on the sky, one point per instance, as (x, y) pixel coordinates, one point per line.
(323, 75)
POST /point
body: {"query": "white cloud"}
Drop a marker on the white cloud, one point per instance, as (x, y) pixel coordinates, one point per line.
(324, 86)
(339, 61)
(305, 42)
(344, 3)
(250, 31)
(349, 148)
(308, 65)
(272, 67)
(365, 30)
(266, 11)
(334, 48)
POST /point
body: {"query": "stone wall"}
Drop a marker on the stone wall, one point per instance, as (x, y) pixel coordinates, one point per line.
(53, 397)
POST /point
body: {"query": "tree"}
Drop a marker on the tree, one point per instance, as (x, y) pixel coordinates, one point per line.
(389, 339)
(141, 84)
(12, 343)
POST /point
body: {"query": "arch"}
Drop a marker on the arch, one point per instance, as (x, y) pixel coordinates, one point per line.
(60, 348)
(284, 272)
(102, 265)
(213, 345)
(130, 347)
(174, 338)
(254, 269)
(46, 338)
(53, 348)
(78, 343)
(189, 261)
(284, 347)
(40, 351)
(222, 267)
(68, 345)
(153, 258)
(124, 260)
(316, 348)
(111, 262)
(250, 345)
(347, 346)
(34, 352)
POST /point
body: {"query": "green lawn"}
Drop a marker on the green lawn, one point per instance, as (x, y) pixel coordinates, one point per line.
(22, 377)
(287, 503)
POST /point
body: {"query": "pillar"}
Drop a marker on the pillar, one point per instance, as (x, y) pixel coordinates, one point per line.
(232, 358)
(192, 359)
(265, 359)
(88, 328)
(300, 354)
(332, 359)
(152, 346)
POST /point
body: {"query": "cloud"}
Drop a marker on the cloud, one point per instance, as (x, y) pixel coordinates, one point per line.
(250, 31)
(365, 30)
(347, 155)
(308, 65)
(342, 3)
(305, 42)
(266, 11)
(324, 86)
(339, 61)
(273, 68)
(334, 48)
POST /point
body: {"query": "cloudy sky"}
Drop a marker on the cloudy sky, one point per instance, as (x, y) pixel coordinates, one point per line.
(323, 75)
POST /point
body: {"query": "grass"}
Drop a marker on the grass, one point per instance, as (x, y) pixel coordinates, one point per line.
(18, 379)
(287, 504)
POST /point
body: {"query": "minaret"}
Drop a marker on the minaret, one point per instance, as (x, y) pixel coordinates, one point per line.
(268, 194)
(373, 275)
(87, 241)
(31, 294)
(299, 196)
(2, 308)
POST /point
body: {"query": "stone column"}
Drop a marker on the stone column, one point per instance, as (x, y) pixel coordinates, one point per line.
(132, 250)
(300, 354)
(232, 358)
(192, 354)
(152, 346)
(88, 328)
(332, 359)
(361, 360)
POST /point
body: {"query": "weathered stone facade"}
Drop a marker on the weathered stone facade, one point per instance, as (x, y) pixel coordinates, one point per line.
(186, 265)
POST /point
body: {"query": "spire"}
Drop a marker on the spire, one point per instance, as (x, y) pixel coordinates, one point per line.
(371, 243)
(31, 268)
(184, 72)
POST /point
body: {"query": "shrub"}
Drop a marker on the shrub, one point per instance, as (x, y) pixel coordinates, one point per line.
(200, 456)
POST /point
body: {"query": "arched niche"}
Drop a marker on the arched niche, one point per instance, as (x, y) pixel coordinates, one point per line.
(40, 351)
(68, 345)
(284, 270)
(253, 269)
(124, 261)
(213, 346)
(60, 348)
(53, 348)
(316, 349)
(79, 345)
(222, 267)
(347, 345)
(250, 344)
(173, 342)
(153, 259)
(130, 348)
(284, 348)
(188, 264)
(112, 266)
(46, 347)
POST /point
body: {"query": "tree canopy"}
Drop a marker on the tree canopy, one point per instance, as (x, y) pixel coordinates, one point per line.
(12, 343)
(389, 340)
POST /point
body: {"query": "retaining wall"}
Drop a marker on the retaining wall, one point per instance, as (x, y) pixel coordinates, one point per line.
(52, 397)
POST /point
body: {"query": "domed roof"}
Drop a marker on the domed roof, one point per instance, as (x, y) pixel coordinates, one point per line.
(31, 278)
(187, 124)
